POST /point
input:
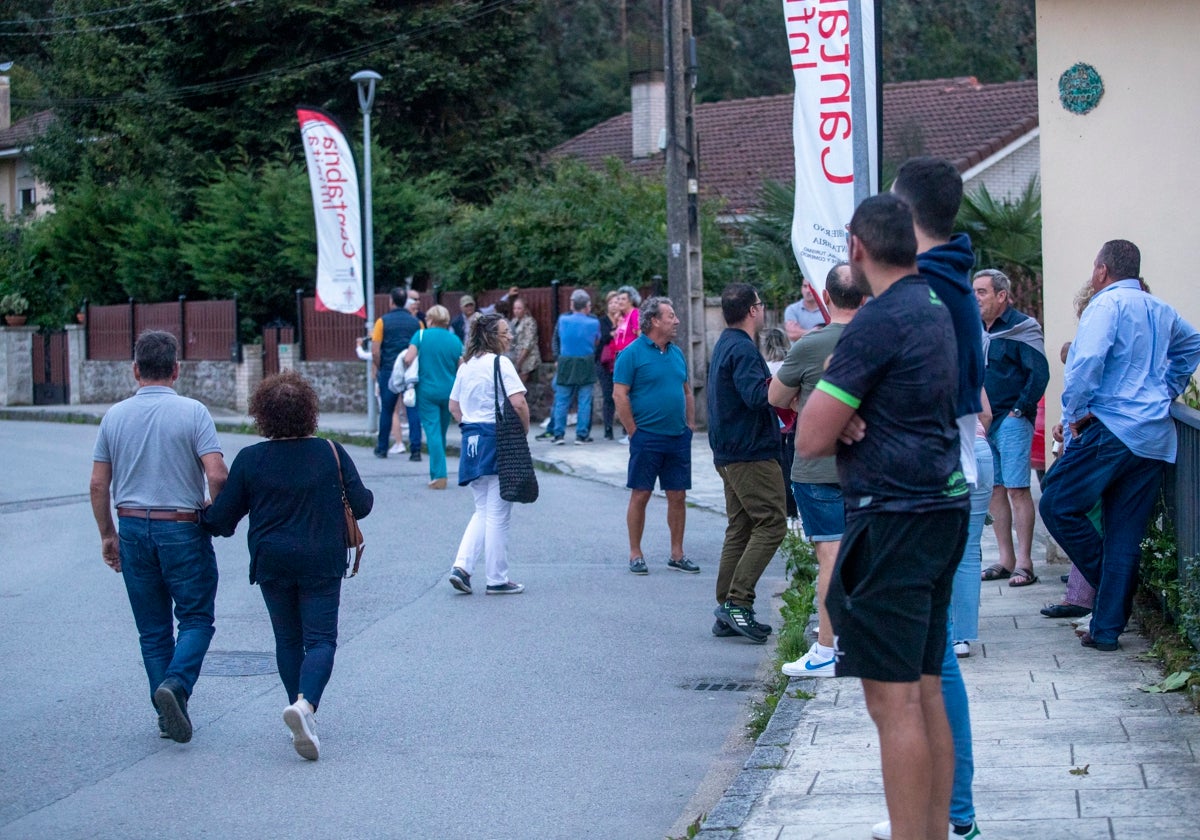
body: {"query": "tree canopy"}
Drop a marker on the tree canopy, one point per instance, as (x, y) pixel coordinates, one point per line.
(175, 157)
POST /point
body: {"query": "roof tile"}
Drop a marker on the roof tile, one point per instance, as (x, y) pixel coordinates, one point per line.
(743, 142)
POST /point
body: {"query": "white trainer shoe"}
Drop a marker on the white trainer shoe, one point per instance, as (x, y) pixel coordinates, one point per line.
(299, 718)
(883, 831)
(962, 649)
(811, 664)
(397, 448)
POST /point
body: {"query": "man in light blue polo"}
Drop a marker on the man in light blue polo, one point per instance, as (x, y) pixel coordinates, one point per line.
(575, 338)
(1132, 356)
(155, 450)
(655, 405)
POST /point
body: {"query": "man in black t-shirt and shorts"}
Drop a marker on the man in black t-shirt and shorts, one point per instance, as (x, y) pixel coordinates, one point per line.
(886, 408)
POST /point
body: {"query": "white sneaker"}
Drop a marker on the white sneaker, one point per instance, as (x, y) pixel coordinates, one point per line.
(624, 441)
(883, 831)
(811, 664)
(397, 448)
(299, 718)
(962, 649)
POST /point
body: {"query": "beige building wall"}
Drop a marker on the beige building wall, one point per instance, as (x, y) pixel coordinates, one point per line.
(1130, 168)
(16, 176)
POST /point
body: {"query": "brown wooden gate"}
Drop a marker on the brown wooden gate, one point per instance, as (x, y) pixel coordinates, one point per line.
(50, 369)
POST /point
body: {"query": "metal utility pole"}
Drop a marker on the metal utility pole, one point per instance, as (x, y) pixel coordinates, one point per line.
(685, 276)
(365, 80)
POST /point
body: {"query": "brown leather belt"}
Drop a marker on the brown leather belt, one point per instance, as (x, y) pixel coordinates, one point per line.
(170, 515)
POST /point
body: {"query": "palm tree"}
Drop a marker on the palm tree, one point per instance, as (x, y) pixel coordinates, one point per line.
(767, 257)
(1008, 235)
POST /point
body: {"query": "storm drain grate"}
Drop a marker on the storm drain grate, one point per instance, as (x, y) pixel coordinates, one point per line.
(722, 685)
(238, 663)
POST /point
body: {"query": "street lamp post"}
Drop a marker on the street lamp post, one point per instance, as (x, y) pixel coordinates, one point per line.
(366, 79)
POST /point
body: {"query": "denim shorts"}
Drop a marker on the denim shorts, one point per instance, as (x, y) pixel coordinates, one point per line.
(822, 511)
(1010, 443)
(667, 458)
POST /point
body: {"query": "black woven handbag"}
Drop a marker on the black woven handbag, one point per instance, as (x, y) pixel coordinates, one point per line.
(514, 464)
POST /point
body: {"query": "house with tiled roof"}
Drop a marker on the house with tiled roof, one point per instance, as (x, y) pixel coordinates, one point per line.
(20, 191)
(989, 131)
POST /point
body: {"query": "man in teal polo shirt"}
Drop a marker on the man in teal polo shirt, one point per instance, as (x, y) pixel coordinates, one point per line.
(655, 405)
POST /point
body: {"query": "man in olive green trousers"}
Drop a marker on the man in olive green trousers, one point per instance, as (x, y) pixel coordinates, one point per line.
(743, 432)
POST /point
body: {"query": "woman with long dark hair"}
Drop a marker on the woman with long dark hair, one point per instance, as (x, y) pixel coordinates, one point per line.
(473, 404)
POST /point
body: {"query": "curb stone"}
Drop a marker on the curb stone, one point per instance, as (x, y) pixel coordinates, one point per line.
(770, 753)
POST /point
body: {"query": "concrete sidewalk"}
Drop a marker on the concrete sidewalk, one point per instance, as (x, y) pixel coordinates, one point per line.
(1066, 745)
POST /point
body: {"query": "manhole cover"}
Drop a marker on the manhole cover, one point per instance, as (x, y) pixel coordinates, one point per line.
(722, 685)
(238, 663)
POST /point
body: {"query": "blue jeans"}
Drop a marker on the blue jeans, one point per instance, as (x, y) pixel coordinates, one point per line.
(304, 615)
(954, 694)
(167, 564)
(387, 407)
(563, 394)
(413, 415)
(964, 600)
(608, 408)
(1098, 467)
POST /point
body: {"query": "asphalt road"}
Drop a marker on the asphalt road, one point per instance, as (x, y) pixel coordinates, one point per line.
(567, 712)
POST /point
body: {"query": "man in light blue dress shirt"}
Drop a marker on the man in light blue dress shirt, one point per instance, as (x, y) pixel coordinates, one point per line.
(1132, 356)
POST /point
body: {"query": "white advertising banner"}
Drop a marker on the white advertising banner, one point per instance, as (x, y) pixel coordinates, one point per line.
(336, 206)
(835, 125)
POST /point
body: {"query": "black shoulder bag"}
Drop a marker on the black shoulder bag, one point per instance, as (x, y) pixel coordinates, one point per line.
(514, 464)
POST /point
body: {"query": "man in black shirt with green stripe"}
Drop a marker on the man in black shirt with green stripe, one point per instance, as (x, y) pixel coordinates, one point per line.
(886, 408)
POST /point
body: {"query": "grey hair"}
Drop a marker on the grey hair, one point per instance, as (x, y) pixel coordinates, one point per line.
(652, 308)
(634, 297)
(1000, 281)
(580, 299)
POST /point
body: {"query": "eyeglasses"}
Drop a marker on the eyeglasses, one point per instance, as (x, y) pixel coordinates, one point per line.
(757, 303)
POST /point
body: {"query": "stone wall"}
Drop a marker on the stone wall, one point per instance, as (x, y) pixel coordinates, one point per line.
(212, 383)
(16, 365)
(340, 386)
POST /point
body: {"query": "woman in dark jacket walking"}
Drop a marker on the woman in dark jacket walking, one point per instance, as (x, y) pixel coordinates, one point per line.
(290, 487)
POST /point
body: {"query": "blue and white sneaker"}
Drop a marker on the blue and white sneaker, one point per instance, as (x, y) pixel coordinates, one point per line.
(811, 664)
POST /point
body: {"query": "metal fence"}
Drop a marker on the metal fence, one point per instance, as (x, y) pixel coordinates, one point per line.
(1183, 492)
(330, 336)
(274, 334)
(206, 329)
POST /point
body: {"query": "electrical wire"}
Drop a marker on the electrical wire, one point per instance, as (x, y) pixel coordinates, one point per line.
(115, 26)
(78, 15)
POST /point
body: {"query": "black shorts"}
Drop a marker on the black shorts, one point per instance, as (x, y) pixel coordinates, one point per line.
(890, 590)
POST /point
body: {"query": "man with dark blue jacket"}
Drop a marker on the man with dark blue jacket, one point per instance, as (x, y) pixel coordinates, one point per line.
(1017, 374)
(933, 190)
(391, 336)
(743, 432)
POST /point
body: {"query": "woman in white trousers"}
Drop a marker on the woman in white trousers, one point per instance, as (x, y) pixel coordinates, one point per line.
(473, 405)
